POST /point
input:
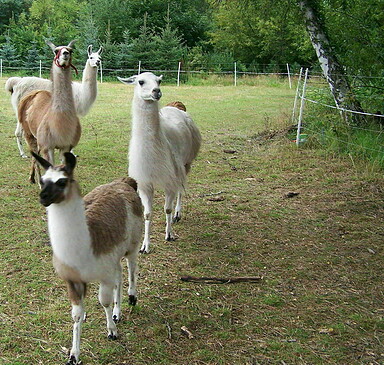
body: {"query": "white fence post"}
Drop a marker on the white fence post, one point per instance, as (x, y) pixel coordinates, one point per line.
(101, 73)
(301, 108)
(139, 70)
(235, 73)
(296, 96)
(178, 74)
(1, 67)
(289, 77)
(40, 67)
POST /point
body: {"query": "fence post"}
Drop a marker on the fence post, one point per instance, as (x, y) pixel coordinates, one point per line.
(1, 67)
(296, 96)
(289, 77)
(101, 73)
(40, 72)
(301, 108)
(178, 74)
(235, 73)
(139, 70)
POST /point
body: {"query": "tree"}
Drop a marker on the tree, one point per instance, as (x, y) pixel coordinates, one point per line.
(8, 53)
(168, 48)
(261, 31)
(329, 63)
(11, 9)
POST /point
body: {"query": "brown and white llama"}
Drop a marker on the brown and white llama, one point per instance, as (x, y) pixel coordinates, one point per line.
(49, 119)
(89, 237)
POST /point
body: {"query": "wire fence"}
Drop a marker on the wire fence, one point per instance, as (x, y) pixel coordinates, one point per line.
(313, 102)
(176, 75)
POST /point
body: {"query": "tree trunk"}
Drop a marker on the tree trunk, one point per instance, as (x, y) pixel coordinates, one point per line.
(332, 69)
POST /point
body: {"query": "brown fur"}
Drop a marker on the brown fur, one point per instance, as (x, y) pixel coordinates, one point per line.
(111, 201)
(48, 119)
(178, 105)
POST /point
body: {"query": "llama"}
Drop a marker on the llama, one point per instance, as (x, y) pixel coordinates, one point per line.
(84, 93)
(89, 237)
(49, 119)
(163, 145)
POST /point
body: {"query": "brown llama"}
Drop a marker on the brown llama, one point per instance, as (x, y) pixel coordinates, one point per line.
(49, 119)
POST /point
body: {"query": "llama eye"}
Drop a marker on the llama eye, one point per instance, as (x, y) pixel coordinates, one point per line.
(61, 183)
(141, 82)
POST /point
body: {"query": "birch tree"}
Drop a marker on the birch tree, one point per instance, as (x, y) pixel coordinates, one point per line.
(332, 70)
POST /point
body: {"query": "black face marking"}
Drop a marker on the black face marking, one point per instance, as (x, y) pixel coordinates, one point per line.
(61, 183)
(159, 82)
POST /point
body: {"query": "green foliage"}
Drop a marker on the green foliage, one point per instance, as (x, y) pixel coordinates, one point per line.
(253, 34)
(9, 54)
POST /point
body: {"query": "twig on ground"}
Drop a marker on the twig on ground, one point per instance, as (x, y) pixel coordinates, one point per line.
(213, 280)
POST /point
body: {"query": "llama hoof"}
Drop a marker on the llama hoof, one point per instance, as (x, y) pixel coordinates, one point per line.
(72, 361)
(24, 156)
(112, 337)
(170, 237)
(144, 249)
(176, 217)
(132, 300)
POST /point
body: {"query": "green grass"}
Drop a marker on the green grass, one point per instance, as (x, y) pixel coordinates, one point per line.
(320, 252)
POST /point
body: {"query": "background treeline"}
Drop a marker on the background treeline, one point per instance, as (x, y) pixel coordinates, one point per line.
(261, 35)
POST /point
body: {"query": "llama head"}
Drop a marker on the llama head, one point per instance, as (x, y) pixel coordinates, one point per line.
(63, 54)
(94, 58)
(55, 183)
(147, 85)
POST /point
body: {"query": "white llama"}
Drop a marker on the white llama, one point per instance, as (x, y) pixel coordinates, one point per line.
(89, 237)
(84, 92)
(163, 145)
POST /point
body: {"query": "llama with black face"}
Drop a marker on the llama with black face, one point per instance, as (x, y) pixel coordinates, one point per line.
(89, 237)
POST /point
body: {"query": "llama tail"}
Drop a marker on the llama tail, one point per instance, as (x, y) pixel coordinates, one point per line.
(10, 84)
(131, 182)
(178, 105)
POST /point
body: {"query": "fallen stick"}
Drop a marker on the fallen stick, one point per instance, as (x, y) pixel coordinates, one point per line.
(206, 280)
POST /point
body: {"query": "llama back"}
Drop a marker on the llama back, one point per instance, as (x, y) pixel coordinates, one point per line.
(27, 85)
(102, 214)
(179, 128)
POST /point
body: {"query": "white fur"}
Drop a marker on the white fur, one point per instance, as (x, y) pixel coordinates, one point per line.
(72, 245)
(162, 144)
(84, 92)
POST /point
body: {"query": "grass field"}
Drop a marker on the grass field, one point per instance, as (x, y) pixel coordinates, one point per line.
(309, 223)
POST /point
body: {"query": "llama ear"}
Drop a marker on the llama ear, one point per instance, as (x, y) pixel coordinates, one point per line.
(129, 81)
(43, 162)
(70, 162)
(50, 44)
(71, 43)
(89, 50)
(160, 77)
(100, 51)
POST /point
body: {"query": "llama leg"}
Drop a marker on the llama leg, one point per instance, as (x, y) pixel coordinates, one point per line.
(117, 295)
(169, 198)
(106, 299)
(19, 139)
(76, 292)
(177, 215)
(146, 196)
(78, 317)
(132, 278)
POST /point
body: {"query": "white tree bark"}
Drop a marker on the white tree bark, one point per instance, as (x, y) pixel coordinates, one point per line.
(332, 70)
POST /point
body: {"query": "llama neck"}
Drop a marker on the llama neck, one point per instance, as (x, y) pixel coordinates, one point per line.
(68, 229)
(62, 96)
(145, 117)
(89, 82)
